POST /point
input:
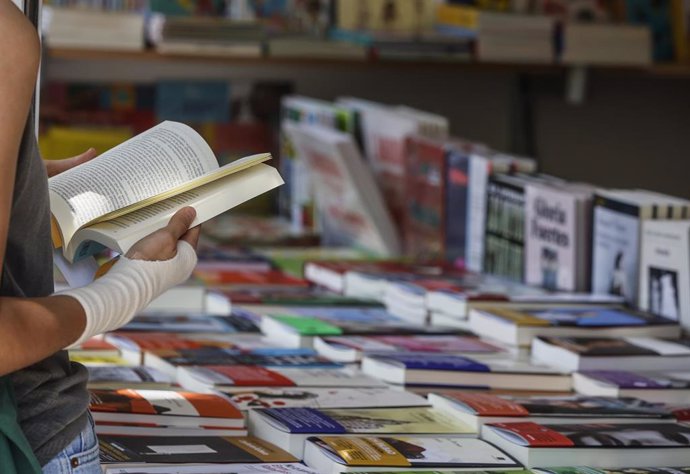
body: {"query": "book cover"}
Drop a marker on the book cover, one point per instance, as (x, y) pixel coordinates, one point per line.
(238, 278)
(573, 406)
(377, 420)
(456, 221)
(582, 317)
(259, 376)
(333, 397)
(415, 343)
(615, 248)
(620, 347)
(403, 451)
(551, 247)
(238, 322)
(627, 379)
(127, 375)
(270, 357)
(149, 449)
(665, 269)
(162, 402)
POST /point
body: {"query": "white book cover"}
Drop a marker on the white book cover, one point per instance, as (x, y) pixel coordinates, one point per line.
(350, 204)
(615, 253)
(326, 397)
(665, 270)
(550, 238)
(476, 215)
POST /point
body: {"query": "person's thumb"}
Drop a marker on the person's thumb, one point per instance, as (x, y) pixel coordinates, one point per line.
(180, 222)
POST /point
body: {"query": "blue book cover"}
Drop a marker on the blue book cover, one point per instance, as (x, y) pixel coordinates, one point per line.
(598, 317)
(305, 420)
(415, 361)
(193, 101)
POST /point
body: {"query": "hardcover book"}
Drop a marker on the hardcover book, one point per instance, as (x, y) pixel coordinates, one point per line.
(133, 189)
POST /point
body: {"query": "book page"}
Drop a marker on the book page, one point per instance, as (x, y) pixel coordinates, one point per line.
(208, 200)
(161, 158)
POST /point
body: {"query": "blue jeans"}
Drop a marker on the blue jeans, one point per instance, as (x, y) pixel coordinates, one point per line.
(80, 457)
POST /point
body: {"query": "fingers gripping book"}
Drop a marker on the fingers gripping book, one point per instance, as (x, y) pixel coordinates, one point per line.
(133, 189)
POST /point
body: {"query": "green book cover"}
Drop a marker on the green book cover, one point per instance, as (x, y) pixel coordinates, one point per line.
(308, 326)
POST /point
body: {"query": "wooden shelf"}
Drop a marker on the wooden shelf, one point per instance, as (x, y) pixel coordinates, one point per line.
(660, 70)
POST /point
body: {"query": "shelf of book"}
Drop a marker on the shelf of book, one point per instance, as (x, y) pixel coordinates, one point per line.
(74, 54)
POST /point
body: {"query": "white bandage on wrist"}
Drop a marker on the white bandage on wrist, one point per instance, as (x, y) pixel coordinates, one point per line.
(129, 286)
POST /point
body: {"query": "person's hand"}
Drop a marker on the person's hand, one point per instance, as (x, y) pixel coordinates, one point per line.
(162, 244)
(55, 167)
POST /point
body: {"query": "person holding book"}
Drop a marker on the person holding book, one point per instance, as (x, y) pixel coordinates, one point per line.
(39, 387)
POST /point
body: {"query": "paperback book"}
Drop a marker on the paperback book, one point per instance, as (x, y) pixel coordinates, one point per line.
(289, 428)
(237, 322)
(519, 325)
(478, 409)
(444, 370)
(116, 377)
(597, 445)
(574, 354)
(671, 387)
(336, 454)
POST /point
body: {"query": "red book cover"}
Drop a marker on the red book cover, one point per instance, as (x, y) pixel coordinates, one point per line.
(425, 198)
(488, 405)
(151, 341)
(163, 402)
(535, 435)
(252, 376)
(248, 278)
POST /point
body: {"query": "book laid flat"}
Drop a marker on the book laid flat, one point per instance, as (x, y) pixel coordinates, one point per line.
(115, 377)
(478, 409)
(210, 377)
(623, 470)
(324, 397)
(671, 387)
(336, 454)
(352, 348)
(237, 322)
(133, 189)
(596, 444)
(574, 354)
(494, 372)
(203, 468)
(289, 428)
(518, 325)
(169, 360)
(165, 407)
(212, 449)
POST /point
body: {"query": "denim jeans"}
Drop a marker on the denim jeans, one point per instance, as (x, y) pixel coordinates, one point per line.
(80, 457)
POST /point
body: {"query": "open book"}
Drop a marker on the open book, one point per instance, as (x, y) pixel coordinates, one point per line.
(133, 189)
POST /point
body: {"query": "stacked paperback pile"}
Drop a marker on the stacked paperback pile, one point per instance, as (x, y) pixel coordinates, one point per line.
(290, 376)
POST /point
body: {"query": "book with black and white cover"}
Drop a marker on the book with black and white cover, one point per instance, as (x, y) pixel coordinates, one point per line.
(441, 370)
(557, 249)
(115, 377)
(477, 409)
(203, 468)
(337, 454)
(572, 354)
(665, 269)
(165, 408)
(200, 379)
(616, 229)
(347, 349)
(518, 325)
(663, 386)
(141, 450)
(289, 428)
(595, 444)
(351, 208)
(320, 397)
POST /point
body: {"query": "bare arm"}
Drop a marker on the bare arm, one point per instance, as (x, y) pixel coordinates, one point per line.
(32, 329)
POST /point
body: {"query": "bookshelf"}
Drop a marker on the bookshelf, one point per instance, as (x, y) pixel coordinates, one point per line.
(74, 54)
